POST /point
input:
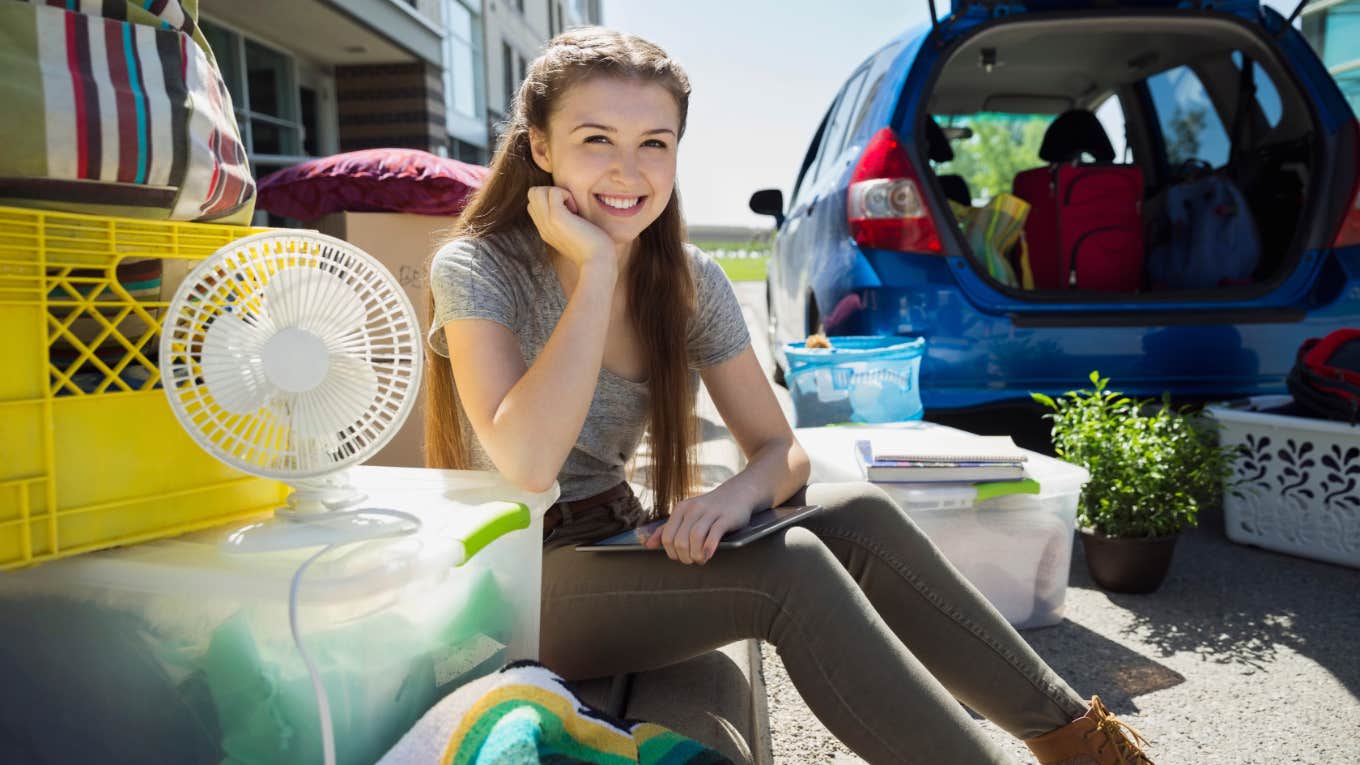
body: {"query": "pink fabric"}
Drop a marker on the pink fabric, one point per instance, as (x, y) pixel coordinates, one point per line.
(372, 180)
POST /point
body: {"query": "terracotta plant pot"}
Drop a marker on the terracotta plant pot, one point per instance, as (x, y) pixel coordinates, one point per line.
(1128, 564)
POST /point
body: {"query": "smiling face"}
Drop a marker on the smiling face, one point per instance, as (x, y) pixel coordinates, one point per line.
(612, 143)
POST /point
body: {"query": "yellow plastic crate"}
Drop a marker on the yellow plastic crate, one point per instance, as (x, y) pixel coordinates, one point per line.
(90, 454)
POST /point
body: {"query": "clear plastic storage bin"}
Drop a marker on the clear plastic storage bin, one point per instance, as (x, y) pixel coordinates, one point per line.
(862, 378)
(174, 651)
(1015, 548)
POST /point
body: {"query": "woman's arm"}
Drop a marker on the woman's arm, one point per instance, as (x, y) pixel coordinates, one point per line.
(776, 467)
(528, 419)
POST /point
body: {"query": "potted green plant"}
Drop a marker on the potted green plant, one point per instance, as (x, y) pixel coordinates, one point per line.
(1152, 469)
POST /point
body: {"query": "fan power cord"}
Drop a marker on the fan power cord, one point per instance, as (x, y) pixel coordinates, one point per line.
(323, 703)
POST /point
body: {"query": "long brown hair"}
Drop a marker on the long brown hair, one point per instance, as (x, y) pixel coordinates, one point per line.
(660, 285)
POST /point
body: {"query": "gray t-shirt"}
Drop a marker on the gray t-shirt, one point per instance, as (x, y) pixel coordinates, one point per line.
(510, 281)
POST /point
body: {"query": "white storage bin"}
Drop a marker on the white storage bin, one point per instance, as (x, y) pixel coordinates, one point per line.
(181, 652)
(1301, 490)
(1016, 549)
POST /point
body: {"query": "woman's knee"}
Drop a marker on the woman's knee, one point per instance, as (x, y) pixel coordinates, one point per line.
(802, 577)
(858, 504)
(862, 516)
(833, 495)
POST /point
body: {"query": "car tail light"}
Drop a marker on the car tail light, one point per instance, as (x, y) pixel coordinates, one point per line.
(885, 205)
(1349, 233)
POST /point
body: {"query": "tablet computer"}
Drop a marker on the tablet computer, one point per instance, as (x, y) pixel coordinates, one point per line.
(762, 524)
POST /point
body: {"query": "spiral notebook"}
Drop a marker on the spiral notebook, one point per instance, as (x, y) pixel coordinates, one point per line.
(942, 447)
(914, 456)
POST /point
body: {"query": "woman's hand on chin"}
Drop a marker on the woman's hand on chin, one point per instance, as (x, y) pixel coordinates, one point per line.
(695, 527)
(557, 217)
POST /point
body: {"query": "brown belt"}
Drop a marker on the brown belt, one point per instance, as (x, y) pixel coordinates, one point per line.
(553, 517)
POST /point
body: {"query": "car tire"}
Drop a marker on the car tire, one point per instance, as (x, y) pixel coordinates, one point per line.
(815, 326)
(778, 374)
(814, 320)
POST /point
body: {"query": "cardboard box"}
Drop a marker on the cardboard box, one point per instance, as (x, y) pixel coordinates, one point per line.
(403, 243)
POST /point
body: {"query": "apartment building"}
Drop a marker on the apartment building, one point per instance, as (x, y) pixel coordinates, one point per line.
(310, 78)
(315, 77)
(515, 31)
(1333, 28)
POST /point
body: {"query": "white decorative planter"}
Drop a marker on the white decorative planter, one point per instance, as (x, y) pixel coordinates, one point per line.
(1301, 482)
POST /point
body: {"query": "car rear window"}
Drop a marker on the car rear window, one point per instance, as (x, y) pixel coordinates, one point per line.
(1001, 146)
(1111, 116)
(1191, 128)
(1267, 95)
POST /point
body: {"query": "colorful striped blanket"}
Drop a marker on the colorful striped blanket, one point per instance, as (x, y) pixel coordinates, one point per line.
(992, 230)
(523, 714)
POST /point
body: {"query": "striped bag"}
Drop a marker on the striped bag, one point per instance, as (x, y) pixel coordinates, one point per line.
(117, 108)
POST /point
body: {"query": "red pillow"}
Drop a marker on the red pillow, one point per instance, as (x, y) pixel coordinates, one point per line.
(372, 180)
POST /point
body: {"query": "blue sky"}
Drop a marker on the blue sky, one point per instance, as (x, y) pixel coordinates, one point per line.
(763, 73)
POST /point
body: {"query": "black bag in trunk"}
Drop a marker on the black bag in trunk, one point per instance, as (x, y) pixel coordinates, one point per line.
(1325, 380)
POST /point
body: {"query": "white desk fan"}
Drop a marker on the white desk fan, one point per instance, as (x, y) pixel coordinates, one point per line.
(293, 355)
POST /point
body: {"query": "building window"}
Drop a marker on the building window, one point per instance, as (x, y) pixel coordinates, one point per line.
(508, 75)
(278, 121)
(462, 72)
(513, 68)
(466, 152)
(1334, 31)
(269, 105)
(311, 125)
(272, 102)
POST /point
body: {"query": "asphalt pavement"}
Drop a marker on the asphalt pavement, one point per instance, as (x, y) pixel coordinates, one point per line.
(1243, 656)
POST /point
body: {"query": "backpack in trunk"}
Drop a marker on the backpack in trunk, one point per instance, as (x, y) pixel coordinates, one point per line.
(1202, 234)
(118, 108)
(1085, 228)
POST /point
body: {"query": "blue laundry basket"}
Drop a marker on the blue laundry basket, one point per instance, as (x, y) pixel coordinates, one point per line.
(862, 378)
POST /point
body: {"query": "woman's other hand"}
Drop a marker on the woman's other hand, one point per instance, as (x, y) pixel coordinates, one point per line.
(558, 219)
(695, 527)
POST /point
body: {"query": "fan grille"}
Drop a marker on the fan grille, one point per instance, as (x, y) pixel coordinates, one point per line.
(251, 293)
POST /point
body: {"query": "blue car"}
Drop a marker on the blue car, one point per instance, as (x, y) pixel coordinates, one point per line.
(934, 127)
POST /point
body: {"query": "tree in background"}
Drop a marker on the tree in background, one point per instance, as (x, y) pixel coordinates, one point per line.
(1002, 145)
(1186, 128)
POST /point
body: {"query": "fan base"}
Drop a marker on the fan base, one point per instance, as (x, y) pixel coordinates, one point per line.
(289, 530)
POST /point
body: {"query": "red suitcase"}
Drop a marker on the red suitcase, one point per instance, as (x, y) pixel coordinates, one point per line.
(1085, 226)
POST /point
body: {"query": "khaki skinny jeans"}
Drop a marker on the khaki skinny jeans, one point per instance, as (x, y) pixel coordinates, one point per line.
(878, 631)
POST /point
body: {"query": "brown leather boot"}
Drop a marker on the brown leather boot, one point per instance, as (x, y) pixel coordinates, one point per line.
(1095, 738)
